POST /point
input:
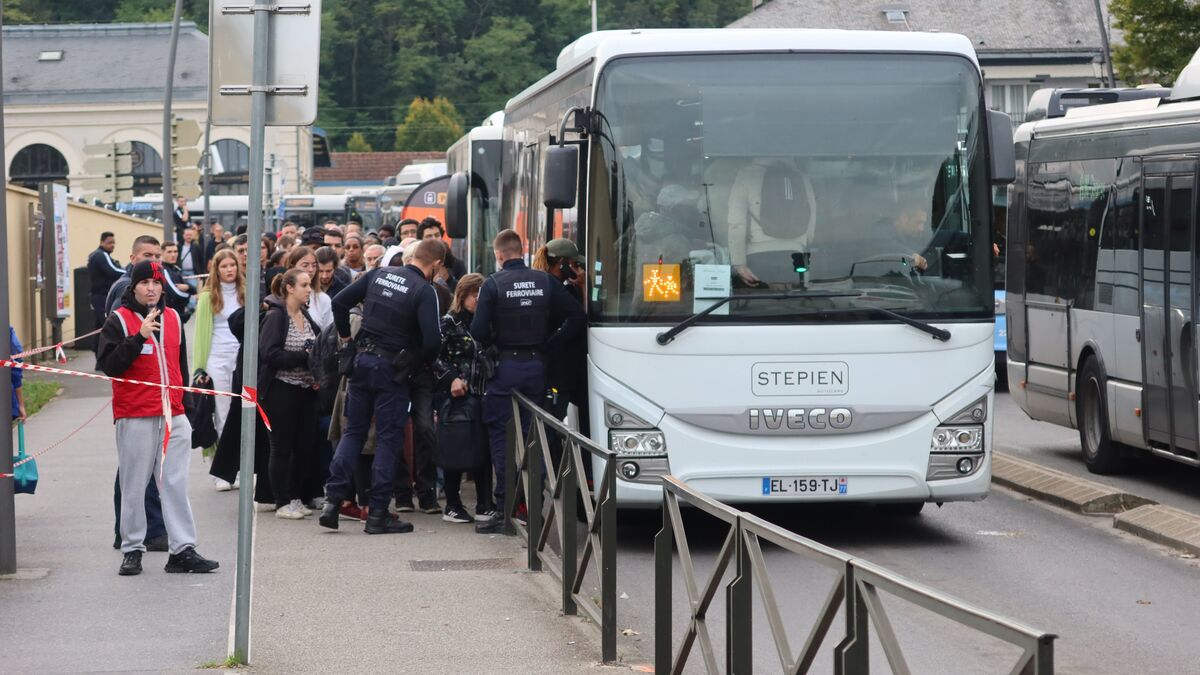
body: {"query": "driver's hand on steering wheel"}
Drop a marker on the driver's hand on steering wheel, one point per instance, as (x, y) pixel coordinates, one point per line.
(918, 261)
(747, 275)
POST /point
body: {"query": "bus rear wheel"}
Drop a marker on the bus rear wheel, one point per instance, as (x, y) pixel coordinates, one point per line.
(1101, 453)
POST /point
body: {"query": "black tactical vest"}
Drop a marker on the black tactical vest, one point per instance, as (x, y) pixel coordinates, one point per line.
(523, 308)
(390, 308)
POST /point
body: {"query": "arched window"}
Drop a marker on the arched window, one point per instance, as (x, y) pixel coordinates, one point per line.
(38, 163)
(147, 169)
(232, 173)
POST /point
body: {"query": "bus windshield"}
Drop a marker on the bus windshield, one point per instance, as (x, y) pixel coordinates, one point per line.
(862, 175)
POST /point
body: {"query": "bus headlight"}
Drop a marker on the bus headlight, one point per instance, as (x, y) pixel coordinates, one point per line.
(957, 439)
(956, 451)
(640, 442)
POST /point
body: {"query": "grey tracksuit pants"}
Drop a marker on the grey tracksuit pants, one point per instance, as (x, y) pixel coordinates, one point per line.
(139, 454)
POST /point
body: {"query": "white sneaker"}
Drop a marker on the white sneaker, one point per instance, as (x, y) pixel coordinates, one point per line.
(298, 505)
(222, 485)
(288, 512)
(237, 481)
(263, 508)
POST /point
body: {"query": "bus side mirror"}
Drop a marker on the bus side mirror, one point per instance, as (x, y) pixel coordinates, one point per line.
(561, 176)
(457, 194)
(1000, 142)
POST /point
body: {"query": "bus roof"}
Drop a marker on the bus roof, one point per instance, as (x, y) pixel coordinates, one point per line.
(603, 46)
(1136, 114)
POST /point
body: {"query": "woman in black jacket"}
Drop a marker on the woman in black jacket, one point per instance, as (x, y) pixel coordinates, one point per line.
(288, 390)
(459, 375)
(227, 460)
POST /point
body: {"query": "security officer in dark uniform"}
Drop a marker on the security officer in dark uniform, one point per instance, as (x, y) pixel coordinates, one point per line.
(400, 332)
(521, 313)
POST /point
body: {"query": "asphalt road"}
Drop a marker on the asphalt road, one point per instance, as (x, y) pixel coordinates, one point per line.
(1119, 604)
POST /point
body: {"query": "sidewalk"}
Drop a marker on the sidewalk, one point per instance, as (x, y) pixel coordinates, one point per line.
(323, 601)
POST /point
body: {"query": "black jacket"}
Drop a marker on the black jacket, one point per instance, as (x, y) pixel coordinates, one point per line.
(102, 271)
(117, 352)
(177, 299)
(199, 257)
(272, 333)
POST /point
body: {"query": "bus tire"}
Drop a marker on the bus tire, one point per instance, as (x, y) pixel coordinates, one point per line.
(903, 509)
(1101, 453)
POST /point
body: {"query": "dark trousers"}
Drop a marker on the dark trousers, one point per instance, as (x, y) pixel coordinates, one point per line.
(424, 478)
(97, 302)
(372, 392)
(155, 526)
(527, 377)
(293, 413)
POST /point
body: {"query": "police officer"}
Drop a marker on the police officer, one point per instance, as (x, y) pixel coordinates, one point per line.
(400, 332)
(522, 313)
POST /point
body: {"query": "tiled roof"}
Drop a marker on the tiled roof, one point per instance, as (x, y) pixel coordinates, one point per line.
(102, 62)
(1034, 26)
(370, 166)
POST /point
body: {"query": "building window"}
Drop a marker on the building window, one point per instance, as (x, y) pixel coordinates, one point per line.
(147, 169)
(231, 168)
(38, 163)
(1012, 99)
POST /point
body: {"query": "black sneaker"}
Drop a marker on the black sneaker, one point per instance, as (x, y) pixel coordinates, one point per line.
(485, 514)
(404, 505)
(157, 544)
(382, 522)
(430, 506)
(131, 565)
(117, 542)
(493, 524)
(187, 561)
(456, 514)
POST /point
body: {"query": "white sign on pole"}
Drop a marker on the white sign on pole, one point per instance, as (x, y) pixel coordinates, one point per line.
(62, 265)
(295, 54)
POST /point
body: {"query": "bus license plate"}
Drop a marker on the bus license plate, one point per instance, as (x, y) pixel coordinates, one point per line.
(804, 485)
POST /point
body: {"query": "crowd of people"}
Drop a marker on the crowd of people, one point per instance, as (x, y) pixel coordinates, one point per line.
(384, 367)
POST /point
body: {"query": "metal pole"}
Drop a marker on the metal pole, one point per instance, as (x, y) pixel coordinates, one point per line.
(167, 197)
(207, 173)
(258, 124)
(8, 507)
(594, 15)
(1112, 77)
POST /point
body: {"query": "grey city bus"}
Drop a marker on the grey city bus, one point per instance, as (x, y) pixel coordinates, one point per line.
(1102, 285)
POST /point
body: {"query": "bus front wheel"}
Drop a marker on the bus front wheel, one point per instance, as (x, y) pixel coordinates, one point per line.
(1101, 453)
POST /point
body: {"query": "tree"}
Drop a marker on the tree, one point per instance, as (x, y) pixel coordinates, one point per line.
(495, 66)
(1160, 38)
(428, 125)
(358, 143)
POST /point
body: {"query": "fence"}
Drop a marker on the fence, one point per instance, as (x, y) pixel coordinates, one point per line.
(855, 590)
(529, 456)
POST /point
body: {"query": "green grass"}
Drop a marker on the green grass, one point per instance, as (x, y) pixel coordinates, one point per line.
(38, 394)
(234, 661)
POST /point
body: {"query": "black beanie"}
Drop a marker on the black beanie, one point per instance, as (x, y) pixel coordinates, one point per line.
(146, 269)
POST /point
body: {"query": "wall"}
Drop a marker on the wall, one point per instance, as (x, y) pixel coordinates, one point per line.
(84, 225)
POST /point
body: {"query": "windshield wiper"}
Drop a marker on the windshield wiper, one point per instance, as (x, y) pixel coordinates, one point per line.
(937, 333)
(667, 336)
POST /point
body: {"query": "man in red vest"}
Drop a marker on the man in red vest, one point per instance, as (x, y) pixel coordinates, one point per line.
(143, 340)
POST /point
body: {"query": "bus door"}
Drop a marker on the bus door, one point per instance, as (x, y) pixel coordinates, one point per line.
(1168, 270)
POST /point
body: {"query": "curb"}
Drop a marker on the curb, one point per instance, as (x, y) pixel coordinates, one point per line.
(1136, 515)
(1062, 489)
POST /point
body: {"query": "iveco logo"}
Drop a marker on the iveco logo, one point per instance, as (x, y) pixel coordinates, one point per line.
(800, 418)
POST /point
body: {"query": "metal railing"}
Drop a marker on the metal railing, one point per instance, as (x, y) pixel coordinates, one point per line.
(855, 590)
(529, 455)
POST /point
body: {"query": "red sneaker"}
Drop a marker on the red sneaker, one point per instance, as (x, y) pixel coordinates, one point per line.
(352, 511)
(522, 514)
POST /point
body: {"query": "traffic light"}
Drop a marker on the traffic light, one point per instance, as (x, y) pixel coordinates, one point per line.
(108, 172)
(185, 158)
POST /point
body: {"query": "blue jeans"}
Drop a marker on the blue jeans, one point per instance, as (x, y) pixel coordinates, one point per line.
(155, 526)
(372, 394)
(527, 377)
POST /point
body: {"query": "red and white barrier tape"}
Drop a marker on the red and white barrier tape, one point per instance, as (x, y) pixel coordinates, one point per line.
(64, 439)
(59, 354)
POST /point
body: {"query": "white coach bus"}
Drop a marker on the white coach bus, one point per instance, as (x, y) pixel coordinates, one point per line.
(478, 156)
(1102, 297)
(789, 251)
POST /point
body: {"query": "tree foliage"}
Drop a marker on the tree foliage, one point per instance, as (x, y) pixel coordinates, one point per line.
(358, 143)
(429, 125)
(462, 58)
(1160, 37)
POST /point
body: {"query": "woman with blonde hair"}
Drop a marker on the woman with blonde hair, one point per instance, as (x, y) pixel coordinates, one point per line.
(215, 348)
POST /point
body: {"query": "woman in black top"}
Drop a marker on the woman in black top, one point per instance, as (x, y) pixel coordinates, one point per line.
(459, 375)
(288, 390)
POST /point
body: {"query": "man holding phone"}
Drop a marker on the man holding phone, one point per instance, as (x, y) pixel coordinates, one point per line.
(144, 341)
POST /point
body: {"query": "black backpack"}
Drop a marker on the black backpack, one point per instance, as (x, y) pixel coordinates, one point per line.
(783, 204)
(323, 362)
